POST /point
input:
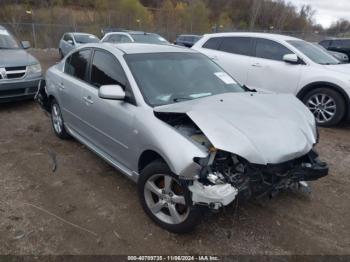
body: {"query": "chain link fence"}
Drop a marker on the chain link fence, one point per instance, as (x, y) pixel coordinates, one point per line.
(48, 35)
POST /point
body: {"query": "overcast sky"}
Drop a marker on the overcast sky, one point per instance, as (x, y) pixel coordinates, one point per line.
(327, 11)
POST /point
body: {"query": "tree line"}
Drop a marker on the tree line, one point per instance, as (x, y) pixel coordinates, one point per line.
(167, 17)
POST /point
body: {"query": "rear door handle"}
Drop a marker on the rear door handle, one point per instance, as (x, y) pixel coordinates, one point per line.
(256, 65)
(88, 100)
(61, 86)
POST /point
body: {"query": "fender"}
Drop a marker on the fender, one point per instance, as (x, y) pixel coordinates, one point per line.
(310, 86)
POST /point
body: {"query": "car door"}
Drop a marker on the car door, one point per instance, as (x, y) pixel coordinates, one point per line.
(70, 85)
(232, 53)
(109, 123)
(268, 71)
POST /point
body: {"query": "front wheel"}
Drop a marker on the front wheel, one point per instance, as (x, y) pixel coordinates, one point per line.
(327, 105)
(57, 121)
(164, 198)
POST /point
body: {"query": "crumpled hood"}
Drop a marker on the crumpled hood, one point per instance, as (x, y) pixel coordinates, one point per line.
(262, 128)
(341, 68)
(16, 57)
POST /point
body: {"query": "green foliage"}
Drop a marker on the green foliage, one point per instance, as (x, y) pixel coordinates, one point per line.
(168, 17)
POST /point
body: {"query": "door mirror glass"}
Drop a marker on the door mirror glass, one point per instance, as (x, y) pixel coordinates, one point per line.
(291, 58)
(70, 42)
(25, 44)
(112, 92)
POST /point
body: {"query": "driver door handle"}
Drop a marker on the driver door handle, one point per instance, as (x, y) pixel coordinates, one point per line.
(88, 100)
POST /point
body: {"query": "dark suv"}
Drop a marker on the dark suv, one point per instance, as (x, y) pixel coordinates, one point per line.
(187, 40)
(341, 45)
(20, 73)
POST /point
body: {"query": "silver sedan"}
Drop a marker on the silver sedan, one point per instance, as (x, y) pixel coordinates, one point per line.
(176, 123)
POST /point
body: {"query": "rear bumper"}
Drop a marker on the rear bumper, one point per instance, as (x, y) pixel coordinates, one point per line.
(18, 90)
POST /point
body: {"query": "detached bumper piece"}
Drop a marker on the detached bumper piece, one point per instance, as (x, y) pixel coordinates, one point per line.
(41, 96)
(311, 172)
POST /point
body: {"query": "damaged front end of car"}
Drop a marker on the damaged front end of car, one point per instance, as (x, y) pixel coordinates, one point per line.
(225, 176)
(254, 181)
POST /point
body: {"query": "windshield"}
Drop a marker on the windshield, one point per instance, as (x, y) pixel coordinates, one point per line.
(166, 78)
(149, 39)
(7, 41)
(316, 54)
(84, 39)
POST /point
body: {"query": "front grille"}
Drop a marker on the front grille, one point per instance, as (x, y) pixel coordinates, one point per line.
(14, 72)
(14, 76)
(12, 92)
(17, 68)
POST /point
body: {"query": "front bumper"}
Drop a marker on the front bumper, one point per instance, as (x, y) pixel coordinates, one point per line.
(18, 90)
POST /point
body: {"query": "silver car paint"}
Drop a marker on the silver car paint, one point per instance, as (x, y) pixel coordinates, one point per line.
(142, 131)
(248, 124)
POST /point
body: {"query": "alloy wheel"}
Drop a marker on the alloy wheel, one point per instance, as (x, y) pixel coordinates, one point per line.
(323, 107)
(165, 199)
(57, 119)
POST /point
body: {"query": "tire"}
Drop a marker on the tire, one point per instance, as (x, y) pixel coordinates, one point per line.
(57, 121)
(171, 211)
(327, 105)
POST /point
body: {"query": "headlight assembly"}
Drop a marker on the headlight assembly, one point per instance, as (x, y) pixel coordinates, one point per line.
(34, 69)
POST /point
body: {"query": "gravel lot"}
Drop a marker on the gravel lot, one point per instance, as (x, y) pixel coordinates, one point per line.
(87, 207)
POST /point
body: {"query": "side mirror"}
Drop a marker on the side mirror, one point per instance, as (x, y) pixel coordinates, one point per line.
(25, 44)
(291, 58)
(112, 92)
(70, 42)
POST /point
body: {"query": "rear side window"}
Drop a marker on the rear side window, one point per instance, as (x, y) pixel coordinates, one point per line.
(67, 37)
(106, 70)
(213, 43)
(325, 43)
(272, 50)
(112, 39)
(341, 43)
(77, 64)
(237, 45)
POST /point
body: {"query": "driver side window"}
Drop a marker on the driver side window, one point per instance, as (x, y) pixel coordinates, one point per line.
(106, 70)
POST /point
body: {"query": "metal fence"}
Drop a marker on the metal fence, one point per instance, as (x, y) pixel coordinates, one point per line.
(48, 35)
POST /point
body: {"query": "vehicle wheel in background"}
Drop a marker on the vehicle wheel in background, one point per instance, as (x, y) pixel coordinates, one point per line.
(164, 199)
(327, 105)
(57, 121)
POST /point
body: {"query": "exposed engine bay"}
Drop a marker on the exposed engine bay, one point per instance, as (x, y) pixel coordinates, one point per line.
(224, 175)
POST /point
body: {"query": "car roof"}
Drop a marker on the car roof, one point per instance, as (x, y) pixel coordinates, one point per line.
(131, 33)
(139, 48)
(190, 35)
(277, 37)
(78, 33)
(335, 38)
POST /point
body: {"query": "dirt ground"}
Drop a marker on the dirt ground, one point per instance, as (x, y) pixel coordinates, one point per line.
(87, 207)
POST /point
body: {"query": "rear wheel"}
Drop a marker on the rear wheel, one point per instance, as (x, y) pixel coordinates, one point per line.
(57, 121)
(164, 199)
(327, 105)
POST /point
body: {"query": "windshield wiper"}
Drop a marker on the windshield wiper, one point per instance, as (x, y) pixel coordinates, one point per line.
(179, 99)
